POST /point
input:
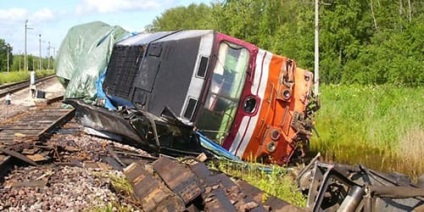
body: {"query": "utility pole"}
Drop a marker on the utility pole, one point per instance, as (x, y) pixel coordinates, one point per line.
(316, 63)
(48, 56)
(7, 50)
(40, 53)
(25, 56)
(19, 59)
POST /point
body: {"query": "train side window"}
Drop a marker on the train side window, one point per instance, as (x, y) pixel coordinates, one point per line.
(227, 83)
(203, 65)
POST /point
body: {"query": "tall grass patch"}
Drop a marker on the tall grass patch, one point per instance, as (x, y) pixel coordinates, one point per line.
(276, 181)
(373, 125)
(19, 76)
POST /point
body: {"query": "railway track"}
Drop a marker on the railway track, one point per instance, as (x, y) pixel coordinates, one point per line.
(51, 137)
(29, 126)
(14, 87)
(34, 125)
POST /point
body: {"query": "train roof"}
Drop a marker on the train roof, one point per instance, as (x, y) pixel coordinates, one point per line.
(146, 38)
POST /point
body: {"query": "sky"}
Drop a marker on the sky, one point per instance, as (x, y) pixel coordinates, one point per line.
(53, 18)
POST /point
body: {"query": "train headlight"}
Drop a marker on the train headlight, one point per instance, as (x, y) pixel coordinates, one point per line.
(271, 147)
(275, 135)
(286, 94)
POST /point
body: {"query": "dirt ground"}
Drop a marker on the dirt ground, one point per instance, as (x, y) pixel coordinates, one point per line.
(23, 100)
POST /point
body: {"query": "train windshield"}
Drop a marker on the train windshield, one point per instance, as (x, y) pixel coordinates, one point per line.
(217, 115)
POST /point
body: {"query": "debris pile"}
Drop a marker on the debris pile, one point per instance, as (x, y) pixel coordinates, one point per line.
(71, 171)
(194, 187)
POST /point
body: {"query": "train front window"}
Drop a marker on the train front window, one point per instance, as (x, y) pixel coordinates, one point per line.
(226, 86)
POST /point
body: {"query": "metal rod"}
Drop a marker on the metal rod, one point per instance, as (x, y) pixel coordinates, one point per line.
(26, 55)
(114, 155)
(7, 50)
(19, 59)
(316, 63)
(48, 55)
(353, 199)
(39, 59)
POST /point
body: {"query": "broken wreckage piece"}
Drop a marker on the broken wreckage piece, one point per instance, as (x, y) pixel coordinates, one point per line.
(167, 184)
(337, 187)
(165, 134)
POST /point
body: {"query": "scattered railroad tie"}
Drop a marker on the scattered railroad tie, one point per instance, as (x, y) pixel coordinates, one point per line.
(270, 202)
(34, 183)
(194, 187)
(241, 194)
(18, 156)
(150, 191)
(180, 180)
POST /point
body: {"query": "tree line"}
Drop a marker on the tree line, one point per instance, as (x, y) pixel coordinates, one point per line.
(361, 41)
(16, 61)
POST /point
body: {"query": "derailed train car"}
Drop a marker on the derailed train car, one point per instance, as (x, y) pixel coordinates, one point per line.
(181, 92)
(253, 103)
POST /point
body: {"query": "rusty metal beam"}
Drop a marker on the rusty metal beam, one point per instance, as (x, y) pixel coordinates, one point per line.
(54, 99)
(18, 156)
(114, 155)
(63, 119)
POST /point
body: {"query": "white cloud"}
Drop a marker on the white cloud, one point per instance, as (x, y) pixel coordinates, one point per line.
(13, 14)
(20, 15)
(43, 15)
(109, 6)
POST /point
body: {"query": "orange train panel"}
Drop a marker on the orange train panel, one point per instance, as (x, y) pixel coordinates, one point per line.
(285, 98)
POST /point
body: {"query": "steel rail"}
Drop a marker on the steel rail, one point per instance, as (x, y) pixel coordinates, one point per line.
(13, 87)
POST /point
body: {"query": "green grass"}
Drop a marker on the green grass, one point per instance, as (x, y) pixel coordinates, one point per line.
(121, 187)
(279, 182)
(110, 207)
(18, 76)
(381, 127)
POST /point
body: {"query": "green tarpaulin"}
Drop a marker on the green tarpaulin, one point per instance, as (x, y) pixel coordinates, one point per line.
(83, 55)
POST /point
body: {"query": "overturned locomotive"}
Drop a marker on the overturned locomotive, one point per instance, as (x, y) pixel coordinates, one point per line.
(253, 103)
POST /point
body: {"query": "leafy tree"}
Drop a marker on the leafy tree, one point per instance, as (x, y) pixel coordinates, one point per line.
(18, 63)
(241, 18)
(345, 28)
(5, 49)
(32, 66)
(192, 17)
(295, 32)
(395, 53)
(361, 41)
